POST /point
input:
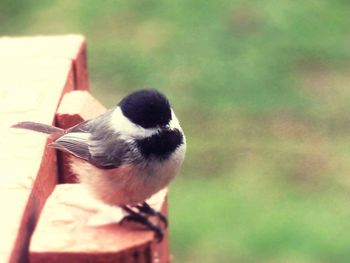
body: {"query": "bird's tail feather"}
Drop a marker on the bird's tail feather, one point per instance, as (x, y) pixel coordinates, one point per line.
(38, 127)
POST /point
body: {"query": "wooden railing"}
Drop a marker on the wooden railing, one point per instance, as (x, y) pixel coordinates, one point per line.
(43, 212)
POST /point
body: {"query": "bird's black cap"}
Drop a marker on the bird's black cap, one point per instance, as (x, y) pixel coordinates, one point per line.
(147, 107)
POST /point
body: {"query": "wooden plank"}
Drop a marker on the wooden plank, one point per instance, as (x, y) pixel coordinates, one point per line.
(32, 81)
(77, 106)
(72, 47)
(63, 233)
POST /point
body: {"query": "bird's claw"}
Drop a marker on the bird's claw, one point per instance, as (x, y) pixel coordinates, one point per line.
(148, 210)
(139, 218)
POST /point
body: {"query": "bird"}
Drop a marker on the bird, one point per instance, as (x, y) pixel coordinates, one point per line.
(126, 154)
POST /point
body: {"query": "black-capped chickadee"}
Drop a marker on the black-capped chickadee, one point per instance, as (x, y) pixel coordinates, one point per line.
(127, 154)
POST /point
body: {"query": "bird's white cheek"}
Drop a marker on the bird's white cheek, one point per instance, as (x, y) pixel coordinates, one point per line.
(181, 152)
(126, 128)
(174, 122)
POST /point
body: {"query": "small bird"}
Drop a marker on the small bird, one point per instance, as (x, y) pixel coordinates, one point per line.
(125, 155)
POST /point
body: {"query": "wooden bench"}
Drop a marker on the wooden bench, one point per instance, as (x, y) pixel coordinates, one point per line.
(44, 79)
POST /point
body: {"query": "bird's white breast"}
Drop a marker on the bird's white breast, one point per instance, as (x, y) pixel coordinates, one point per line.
(129, 184)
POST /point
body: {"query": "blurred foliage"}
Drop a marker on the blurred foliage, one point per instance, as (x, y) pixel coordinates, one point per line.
(262, 91)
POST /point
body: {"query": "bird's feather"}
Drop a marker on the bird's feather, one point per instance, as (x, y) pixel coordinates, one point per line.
(75, 143)
(38, 127)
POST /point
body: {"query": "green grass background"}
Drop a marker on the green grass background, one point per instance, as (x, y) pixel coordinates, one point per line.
(262, 89)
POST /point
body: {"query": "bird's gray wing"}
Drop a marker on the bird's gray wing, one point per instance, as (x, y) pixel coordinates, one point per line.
(106, 153)
(75, 143)
(96, 142)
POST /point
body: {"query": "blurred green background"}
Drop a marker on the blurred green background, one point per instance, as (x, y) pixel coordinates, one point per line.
(262, 92)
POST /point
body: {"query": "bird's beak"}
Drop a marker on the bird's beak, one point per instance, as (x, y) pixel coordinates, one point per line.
(164, 127)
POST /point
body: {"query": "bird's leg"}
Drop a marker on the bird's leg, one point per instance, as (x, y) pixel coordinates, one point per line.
(148, 210)
(136, 217)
